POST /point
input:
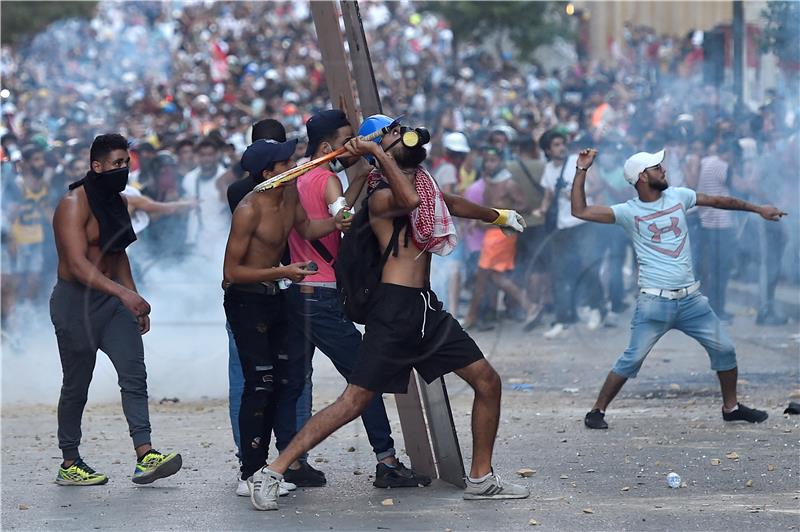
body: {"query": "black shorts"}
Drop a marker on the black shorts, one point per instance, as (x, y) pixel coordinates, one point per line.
(407, 328)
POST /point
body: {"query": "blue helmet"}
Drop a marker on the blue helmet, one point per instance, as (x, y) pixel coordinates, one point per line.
(372, 124)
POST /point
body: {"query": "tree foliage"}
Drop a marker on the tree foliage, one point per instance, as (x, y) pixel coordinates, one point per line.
(526, 24)
(782, 31)
(21, 18)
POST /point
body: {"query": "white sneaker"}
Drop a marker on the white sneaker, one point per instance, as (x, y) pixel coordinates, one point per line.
(595, 320)
(612, 319)
(243, 488)
(264, 489)
(555, 331)
(494, 488)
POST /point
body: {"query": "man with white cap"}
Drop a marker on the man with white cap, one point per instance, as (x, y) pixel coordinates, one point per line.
(447, 173)
(669, 296)
(446, 270)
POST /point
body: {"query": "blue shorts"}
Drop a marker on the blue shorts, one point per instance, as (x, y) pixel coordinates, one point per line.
(655, 315)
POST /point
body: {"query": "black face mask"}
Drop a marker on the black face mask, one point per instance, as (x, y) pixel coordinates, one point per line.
(110, 182)
(106, 203)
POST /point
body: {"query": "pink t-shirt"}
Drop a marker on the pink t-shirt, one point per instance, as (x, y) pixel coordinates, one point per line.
(474, 236)
(311, 190)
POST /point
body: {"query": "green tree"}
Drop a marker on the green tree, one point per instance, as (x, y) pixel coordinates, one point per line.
(19, 19)
(525, 24)
(782, 32)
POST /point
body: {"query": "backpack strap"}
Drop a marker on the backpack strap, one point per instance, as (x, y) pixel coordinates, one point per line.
(323, 252)
(394, 244)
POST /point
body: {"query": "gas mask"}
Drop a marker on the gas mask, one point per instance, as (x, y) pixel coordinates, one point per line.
(412, 137)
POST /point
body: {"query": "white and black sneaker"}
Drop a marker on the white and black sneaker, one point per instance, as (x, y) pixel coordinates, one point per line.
(243, 488)
(494, 488)
(264, 489)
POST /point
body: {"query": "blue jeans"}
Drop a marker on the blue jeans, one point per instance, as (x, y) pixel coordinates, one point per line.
(718, 251)
(235, 387)
(576, 271)
(322, 324)
(284, 427)
(692, 315)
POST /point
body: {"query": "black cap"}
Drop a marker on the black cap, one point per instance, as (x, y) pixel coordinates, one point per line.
(263, 153)
(321, 125)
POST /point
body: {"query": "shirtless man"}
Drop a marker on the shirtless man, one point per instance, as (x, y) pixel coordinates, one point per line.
(499, 250)
(254, 305)
(406, 327)
(95, 306)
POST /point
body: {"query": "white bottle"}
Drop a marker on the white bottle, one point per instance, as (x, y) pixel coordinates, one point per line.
(674, 480)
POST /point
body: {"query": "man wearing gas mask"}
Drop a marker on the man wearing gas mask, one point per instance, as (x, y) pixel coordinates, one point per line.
(313, 302)
(94, 306)
(405, 325)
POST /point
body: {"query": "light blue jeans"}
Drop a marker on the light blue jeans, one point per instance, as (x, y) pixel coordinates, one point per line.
(692, 315)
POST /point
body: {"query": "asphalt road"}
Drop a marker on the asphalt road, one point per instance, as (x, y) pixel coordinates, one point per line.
(736, 476)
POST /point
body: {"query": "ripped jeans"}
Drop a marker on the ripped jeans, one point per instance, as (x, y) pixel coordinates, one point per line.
(260, 329)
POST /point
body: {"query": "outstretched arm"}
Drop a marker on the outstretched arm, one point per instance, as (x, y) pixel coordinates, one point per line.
(159, 207)
(768, 212)
(590, 213)
(464, 208)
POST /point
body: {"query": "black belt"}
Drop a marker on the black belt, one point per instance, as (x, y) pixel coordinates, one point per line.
(265, 288)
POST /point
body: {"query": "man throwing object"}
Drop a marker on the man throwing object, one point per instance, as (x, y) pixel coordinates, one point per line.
(669, 296)
(406, 327)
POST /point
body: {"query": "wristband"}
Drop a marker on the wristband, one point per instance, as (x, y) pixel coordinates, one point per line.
(582, 168)
(502, 217)
(336, 206)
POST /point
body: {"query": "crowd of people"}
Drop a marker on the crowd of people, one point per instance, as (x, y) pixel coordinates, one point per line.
(187, 82)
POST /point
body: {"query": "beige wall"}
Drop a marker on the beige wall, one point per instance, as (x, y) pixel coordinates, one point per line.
(608, 18)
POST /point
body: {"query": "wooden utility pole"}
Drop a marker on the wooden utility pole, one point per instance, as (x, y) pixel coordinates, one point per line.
(432, 446)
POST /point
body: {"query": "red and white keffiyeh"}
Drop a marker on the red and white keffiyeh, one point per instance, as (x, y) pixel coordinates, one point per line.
(432, 226)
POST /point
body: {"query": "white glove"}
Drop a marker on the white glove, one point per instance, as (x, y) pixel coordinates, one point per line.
(510, 221)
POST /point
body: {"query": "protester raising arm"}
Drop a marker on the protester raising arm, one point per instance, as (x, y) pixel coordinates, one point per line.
(403, 197)
(590, 213)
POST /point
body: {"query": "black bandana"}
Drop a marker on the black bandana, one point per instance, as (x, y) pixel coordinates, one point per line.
(103, 192)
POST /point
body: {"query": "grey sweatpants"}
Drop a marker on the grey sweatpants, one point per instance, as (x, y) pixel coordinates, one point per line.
(86, 320)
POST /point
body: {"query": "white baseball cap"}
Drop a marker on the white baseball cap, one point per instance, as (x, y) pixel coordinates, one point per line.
(637, 163)
(456, 142)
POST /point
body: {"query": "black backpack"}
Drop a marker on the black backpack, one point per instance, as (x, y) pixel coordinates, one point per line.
(359, 264)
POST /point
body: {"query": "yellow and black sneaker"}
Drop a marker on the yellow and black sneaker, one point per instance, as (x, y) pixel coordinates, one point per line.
(154, 465)
(79, 474)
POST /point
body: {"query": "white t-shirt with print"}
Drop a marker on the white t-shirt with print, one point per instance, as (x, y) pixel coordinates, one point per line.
(660, 237)
(549, 179)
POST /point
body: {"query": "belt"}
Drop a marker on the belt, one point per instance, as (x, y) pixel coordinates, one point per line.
(680, 293)
(266, 288)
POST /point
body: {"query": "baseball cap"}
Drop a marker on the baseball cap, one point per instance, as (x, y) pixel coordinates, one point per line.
(265, 152)
(321, 125)
(637, 163)
(456, 142)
